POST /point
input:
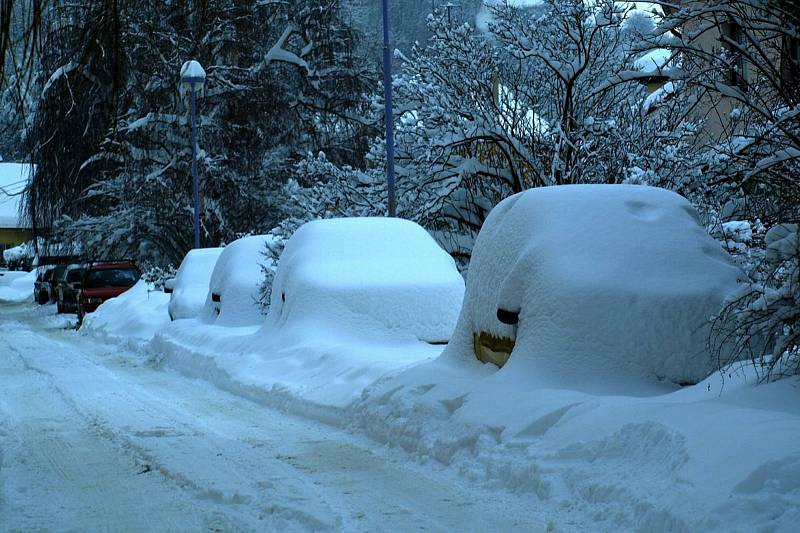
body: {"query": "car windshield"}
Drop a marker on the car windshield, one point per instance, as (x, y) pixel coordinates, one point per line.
(112, 277)
(75, 275)
(58, 273)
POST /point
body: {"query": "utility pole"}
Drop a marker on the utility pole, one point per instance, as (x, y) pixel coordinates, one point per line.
(387, 97)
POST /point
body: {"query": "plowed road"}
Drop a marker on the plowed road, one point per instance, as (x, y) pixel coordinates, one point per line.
(92, 438)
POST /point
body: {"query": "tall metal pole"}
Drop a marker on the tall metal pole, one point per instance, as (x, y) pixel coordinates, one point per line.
(194, 171)
(387, 97)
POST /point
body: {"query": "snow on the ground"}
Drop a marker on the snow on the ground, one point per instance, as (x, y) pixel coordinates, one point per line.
(133, 317)
(190, 288)
(235, 280)
(558, 423)
(718, 456)
(92, 440)
(16, 286)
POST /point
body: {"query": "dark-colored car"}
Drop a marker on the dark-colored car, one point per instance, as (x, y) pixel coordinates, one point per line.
(51, 281)
(102, 281)
(67, 288)
(41, 287)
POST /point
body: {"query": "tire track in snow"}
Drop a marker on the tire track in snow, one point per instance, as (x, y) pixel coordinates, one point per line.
(238, 460)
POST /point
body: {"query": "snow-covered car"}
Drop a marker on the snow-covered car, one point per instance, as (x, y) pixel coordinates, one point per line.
(233, 291)
(366, 276)
(603, 288)
(189, 288)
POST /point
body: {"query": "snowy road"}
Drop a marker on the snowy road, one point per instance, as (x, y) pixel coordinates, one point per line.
(94, 439)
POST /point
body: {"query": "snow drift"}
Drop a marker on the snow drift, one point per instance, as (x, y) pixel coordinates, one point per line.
(366, 275)
(17, 286)
(235, 281)
(352, 300)
(133, 317)
(614, 286)
(190, 288)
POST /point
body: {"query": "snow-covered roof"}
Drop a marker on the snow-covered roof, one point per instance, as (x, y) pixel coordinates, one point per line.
(653, 60)
(13, 179)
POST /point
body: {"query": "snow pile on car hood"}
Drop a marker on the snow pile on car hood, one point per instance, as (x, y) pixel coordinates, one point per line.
(366, 276)
(17, 286)
(191, 282)
(236, 278)
(135, 315)
(615, 286)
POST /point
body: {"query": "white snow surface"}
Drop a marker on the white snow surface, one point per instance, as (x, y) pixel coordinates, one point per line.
(615, 285)
(622, 455)
(366, 276)
(654, 60)
(362, 297)
(94, 438)
(133, 317)
(721, 455)
(191, 283)
(18, 252)
(236, 277)
(16, 286)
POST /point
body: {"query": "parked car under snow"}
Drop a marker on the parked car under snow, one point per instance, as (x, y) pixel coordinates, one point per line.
(233, 291)
(604, 288)
(189, 288)
(367, 276)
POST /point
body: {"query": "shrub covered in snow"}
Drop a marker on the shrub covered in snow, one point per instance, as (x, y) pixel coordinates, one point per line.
(761, 319)
(190, 288)
(235, 283)
(615, 286)
(365, 275)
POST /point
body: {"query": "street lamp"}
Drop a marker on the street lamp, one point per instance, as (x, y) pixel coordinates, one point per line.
(193, 79)
(387, 97)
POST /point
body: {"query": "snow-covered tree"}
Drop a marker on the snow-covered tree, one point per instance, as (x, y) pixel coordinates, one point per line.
(282, 80)
(739, 60)
(527, 103)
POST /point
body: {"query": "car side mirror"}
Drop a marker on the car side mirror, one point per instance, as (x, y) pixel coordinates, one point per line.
(77, 285)
(169, 286)
(508, 317)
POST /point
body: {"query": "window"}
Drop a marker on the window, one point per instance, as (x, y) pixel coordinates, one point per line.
(114, 277)
(736, 71)
(75, 275)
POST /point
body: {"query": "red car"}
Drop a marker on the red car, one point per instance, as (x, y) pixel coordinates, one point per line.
(104, 280)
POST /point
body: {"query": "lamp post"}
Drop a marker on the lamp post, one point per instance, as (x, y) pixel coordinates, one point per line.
(387, 97)
(193, 79)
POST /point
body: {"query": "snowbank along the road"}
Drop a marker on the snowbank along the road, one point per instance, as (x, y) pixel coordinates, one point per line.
(641, 454)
